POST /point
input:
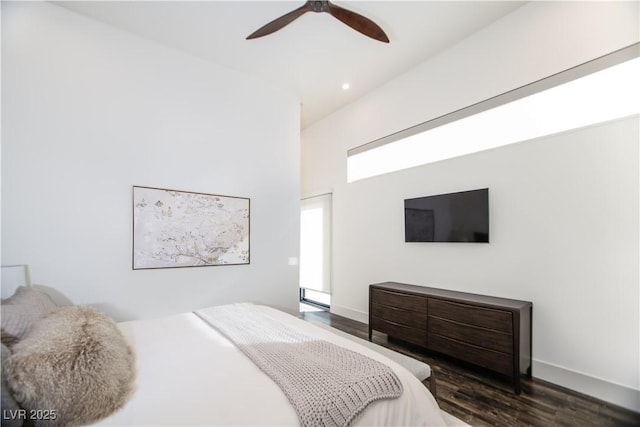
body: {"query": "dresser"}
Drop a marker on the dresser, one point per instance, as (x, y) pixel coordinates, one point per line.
(491, 332)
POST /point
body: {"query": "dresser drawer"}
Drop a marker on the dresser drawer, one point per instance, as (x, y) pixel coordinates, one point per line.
(412, 319)
(479, 316)
(496, 361)
(481, 337)
(396, 299)
(405, 333)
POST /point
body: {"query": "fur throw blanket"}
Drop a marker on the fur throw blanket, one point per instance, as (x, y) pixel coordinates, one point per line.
(74, 365)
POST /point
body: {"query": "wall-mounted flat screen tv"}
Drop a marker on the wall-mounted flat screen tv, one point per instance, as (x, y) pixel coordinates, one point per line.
(453, 217)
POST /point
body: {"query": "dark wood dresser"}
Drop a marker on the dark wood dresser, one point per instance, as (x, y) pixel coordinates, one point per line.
(491, 332)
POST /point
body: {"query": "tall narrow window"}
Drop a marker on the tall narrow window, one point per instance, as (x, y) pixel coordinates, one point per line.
(315, 250)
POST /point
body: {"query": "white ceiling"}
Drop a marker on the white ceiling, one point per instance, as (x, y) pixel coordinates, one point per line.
(315, 54)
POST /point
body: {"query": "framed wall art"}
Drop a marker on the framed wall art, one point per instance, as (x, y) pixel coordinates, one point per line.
(185, 229)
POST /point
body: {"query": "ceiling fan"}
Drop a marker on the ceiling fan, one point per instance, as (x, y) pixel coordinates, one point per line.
(352, 19)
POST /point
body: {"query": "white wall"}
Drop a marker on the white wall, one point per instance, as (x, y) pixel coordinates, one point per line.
(88, 111)
(564, 209)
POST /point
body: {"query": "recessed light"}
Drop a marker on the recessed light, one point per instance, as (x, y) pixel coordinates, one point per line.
(345, 86)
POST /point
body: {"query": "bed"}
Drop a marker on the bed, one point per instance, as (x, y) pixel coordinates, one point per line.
(189, 371)
(218, 385)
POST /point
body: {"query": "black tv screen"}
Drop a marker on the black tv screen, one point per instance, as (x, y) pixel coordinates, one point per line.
(453, 217)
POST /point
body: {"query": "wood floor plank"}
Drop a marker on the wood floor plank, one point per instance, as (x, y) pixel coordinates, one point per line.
(481, 398)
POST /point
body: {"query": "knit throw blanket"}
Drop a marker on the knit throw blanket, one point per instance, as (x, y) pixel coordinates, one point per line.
(328, 385)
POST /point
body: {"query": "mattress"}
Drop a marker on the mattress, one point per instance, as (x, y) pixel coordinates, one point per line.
(190, 374)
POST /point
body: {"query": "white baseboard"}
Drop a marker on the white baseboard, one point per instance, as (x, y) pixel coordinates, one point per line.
(599, 388)
(360, 316)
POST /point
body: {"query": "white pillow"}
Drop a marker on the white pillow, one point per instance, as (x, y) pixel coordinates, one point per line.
(20, 311)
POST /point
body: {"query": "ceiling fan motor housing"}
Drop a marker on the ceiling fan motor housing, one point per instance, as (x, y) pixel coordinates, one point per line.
(320, 6)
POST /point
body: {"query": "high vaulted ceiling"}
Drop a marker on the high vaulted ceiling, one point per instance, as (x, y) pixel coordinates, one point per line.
(315, 54)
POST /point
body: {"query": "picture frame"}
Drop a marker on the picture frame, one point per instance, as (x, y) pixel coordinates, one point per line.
(174, 228)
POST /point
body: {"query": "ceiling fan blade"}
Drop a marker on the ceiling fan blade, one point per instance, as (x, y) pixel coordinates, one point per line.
(358, 23)
(278, 23)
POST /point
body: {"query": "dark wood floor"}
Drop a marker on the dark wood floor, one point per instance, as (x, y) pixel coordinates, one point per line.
(481, 399)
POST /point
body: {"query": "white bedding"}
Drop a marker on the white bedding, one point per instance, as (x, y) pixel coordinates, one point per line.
(189, 374)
